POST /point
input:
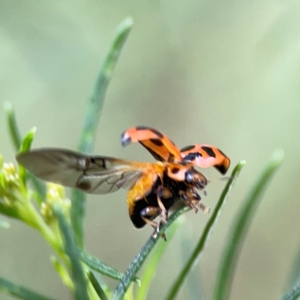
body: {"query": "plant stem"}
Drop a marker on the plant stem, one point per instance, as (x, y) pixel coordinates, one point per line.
(139, 259)
(240, 227)
(204, 237)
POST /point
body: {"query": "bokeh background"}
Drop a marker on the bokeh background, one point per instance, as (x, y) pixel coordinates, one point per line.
(224, 73)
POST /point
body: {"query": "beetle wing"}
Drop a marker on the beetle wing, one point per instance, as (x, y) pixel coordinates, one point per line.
(158, 144)
(91, 174)
(205, 156)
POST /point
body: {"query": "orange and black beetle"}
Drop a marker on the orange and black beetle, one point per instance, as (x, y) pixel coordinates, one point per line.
(153, 187)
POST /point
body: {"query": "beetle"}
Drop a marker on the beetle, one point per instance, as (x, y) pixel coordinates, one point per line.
(153, 187)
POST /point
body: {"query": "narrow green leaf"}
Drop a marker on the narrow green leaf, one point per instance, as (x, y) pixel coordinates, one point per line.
(193, 286)
(4, 224)
(294, 276)
(27, 140)
(95, 104)
(240, 227)
(38, 184)
(80, 285)
(92, 116)
(62, 272)
(100, 292)
(293, 294)
(150, 267)
(19, 291)
(12, 125)
(97, 265)
(22, 145)
(294, 280)
(206, 233)
(139, 259)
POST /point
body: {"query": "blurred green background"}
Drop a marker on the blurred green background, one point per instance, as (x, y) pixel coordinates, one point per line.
(224, 73)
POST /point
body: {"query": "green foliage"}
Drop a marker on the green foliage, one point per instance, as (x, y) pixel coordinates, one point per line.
(50, 213)
(240, 227)
(100, 292)
(153, 261)
(102, 268)
(293, 293)
(22, 145)
(91, 120)
(206, 232)
(20, 291)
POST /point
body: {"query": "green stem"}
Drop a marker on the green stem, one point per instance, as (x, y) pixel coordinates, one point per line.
(240, 227)
(36, 221)
(77, 272)
(139, 259)
(293, 294)
(150, 268)
(207, 230)
(100, 292)
(92, 116)
(19, 291)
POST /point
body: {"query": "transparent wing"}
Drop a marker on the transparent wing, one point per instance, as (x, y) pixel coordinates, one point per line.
(91, 174)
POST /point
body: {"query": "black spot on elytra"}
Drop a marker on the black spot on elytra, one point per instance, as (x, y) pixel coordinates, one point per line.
(221, 168)
(222, 152)
(209, 151)
(175, 170)
(187, 148)
(159, 134)
(191, 156)
(142, 127)
(156, 142)
(154, 154)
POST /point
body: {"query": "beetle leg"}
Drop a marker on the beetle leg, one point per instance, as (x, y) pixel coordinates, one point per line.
(191, 198)
(197, 203)
(163, 192)
(156, 228)
(204, 208)
(151, 212)
(152, 224)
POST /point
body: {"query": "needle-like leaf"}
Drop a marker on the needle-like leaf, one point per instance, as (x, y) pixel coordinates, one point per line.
(150, 267)
(100, 292)
(207, 230)
(19, 291)
(22, 145)
(239, 229)
(92, 116)
(80, 291)
(99, 266)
